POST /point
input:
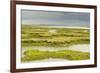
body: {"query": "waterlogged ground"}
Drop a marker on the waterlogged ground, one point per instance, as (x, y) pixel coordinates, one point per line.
(53, 44)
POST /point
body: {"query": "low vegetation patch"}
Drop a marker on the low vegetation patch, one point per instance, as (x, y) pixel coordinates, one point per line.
(32, 55)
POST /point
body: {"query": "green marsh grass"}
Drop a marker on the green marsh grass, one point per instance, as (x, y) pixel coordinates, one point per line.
(59, 37)
(32, 55)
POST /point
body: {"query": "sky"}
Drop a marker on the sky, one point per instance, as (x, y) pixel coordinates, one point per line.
(55, 18)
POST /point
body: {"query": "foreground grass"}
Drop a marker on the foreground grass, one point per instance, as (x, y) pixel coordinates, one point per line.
(32, 55)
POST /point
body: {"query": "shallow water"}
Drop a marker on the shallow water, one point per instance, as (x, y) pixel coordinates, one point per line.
(78, 47)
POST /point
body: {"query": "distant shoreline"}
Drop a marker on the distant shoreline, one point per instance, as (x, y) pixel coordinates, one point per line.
(65, 27)
(48, 26)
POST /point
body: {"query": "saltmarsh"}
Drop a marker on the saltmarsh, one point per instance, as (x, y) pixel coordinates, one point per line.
(41, 36)
(53, 37)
